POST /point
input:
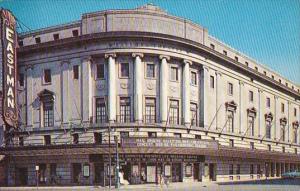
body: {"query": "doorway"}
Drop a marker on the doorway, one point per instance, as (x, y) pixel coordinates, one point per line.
(42, 173)
(21, 175)
(176, 172)
(151, 174)
(196, 172)
(76, 169)
(212, 174)
(99, 173)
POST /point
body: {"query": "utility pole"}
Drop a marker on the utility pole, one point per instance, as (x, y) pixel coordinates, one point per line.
(117, 163)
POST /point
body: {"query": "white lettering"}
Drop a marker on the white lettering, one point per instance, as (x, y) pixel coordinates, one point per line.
(10, 80)
(10, 92)
(10, 103)
(10, 58)
(9, 33)
(10, 47)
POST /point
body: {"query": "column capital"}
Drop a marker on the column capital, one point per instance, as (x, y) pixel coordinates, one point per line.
(137, 54)
(185, 61)
(29, 67)
(63, 62)
(206, 68)
(276, 97)
(113, 55)
(86, 58)
(164, 56)
(260, 91)
(218, 73)
(241, 82)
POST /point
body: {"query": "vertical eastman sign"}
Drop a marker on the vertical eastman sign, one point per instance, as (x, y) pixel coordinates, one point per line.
(8, 68)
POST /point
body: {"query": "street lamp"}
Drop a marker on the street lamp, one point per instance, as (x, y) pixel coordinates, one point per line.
(117, 164)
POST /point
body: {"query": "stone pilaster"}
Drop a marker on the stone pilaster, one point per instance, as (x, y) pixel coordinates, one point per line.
(186, 92)
(138, 87)
(164, 78)
(111, 87)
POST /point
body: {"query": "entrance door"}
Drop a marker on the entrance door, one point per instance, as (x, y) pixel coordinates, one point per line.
(176, 172)
(99, 173)
(21, 174)
(267, 169)
(196, 171)
(212, 175)
(42, 173)
(76, 172)
(151, 173)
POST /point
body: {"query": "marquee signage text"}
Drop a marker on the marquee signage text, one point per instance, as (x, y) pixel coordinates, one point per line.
(8, 46)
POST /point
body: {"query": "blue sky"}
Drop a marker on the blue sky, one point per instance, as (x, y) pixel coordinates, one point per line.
(266, 30)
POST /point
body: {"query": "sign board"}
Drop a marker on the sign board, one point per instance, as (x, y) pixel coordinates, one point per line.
(8, 68)
(169, 142)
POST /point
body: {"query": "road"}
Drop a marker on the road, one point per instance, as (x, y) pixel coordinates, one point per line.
(265, 185)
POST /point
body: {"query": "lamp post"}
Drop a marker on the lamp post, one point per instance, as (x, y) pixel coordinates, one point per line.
(117, 164)
(37, 168)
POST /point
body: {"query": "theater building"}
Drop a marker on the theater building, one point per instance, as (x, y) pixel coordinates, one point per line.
(177, 101)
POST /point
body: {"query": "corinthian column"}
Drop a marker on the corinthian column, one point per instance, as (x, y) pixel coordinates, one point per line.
(186, 92)
(164, 78)
(111, 87)
(138, 87)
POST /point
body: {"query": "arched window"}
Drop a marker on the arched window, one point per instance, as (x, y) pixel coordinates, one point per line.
(47, 108)
(230, 110)
(251, 121)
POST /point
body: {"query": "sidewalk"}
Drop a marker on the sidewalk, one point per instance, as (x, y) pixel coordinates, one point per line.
(142, 187)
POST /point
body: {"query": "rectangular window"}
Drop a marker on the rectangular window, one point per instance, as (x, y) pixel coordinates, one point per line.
(296, 152)
(282, 107)
(268, 129)
(97, 138)
(174, 73)
(251, 169)
(21, 79)
(295, 135)
(56, 36)
(177, 135)
(125, 70)
(236, 58)
(230, 169)
(152, 134)
(231, 143)
(252, 146)
(197, 136)
(282, 132)
(174, 112)
(212, 82)
(37, 40)
(75, 138)
(100, 71)
(194, 115)
(230, 88)
(193, 78)
(268, 102)
(295, 112)
(21, 141)
(124, 134)
(150, 71)
(251, 96)
(100, 110)
(230, 121)
(238, 169)
(48, 111)
(52, 169)
(47, 140)
(47, 76)
(283, 149)
(125, 110)
(225, 52)
(212, 46)
(250, 126)
(269, 147)
(150, 112)
(76, 72)
(75, 33)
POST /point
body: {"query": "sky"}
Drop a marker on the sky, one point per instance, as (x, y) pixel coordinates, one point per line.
(266, 30)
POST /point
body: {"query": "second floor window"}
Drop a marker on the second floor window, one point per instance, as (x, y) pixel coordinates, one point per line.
(174, 73)
(295, 112)
(47, 140)
(47, 76)
(212, 82)
(251, 125)
(125, 70)
(48, 113)
(230, 121)
(150, 116)
(75, 138)
(125, 113)
(282, 132)
(76, 72)
(100, 110)
(174, 112)
(100, 71)
(268, 129)
(230, 88)
(150, 71)
(282, 107)
(97, 138)
(193, 78)
(194, 114)
(295, 137)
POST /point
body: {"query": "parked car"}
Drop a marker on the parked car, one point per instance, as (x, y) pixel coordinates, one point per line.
(294, 174)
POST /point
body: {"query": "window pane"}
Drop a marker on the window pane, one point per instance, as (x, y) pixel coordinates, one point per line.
(100, 71)
(76, 72)
(174, 73)
(150, 70)
(47, 76)
(100, 110)
(124, 70)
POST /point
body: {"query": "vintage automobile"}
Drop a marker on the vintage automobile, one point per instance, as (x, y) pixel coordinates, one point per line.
(293, 174)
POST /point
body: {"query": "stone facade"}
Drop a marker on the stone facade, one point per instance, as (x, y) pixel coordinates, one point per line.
(206, 78)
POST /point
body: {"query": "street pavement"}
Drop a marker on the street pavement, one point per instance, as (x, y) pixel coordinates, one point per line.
(264, 185)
